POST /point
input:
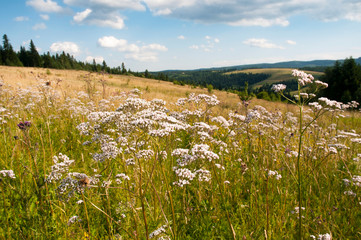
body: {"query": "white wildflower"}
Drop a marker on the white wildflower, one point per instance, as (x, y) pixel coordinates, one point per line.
(7, 173)
(74, 219)
(278, 87)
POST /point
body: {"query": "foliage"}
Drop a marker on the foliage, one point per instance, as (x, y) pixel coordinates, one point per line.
(344, 81)
(219, 79)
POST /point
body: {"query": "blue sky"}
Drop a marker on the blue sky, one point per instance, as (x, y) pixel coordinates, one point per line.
(186, 34)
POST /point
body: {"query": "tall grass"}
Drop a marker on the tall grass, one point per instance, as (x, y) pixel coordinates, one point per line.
(124, 167)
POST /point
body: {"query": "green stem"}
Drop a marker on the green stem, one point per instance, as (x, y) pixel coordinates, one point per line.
(300, 177)
(141, 194)
(172, 205)
(224, 202)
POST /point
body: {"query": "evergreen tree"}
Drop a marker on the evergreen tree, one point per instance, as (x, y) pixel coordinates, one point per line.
(94, 66)
(344, 81)
(124, 70)
(9, 56)
(34, 57)
(104, 66)
(24, 57)
(146, 74)
(48, 61)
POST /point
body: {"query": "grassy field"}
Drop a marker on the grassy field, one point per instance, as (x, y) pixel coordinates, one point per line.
(87, 156)
(277, 75)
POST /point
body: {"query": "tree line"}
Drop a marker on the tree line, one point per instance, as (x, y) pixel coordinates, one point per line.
(344, 81)
(31, 58)
(218, 79)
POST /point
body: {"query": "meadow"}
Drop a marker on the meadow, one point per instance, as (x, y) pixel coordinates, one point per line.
(277, 75)
(92, 156)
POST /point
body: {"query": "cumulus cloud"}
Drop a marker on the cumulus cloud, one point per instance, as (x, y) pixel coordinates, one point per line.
(80, 16)
(142, 53)
(68, 47)
(45, 17)
(45, 5)
(263, 13)
(39, 26)
(261, 43)
(98, 60)
(103, 19)
(104, 13)
(108, 4)
(165, 11)
(181, 37)
(21, 19)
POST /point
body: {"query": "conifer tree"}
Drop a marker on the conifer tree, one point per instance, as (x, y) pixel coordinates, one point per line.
(35, 60)
(24, 57)
(9, 56)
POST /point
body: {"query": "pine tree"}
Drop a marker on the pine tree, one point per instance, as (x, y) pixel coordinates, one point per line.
(344, 81)
(35, 60)
(124, 70)
(48, 61)
(9, 56)
(104, 66)
(146, 74)
(24, 57)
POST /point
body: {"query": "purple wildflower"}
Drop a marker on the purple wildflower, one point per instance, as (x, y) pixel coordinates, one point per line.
(24, 125)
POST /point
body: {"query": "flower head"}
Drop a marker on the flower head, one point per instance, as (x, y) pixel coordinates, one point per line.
(278, 87)
(24, 125)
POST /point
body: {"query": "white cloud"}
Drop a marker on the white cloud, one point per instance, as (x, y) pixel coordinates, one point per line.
(108, 4)
(261, 43)
(290, 42)
(263, 13)
(117, 22)
(104, 20)
(181, 37)
(259, 22)
(39, 26)
(45, 5)
(104, 13)
(80, 16)
(165, 11)
(155, 46)
(21, 19)
(45, 17)
(143, 53)
(67, 47)
(256, 13)
(112, 42)
(98, 60)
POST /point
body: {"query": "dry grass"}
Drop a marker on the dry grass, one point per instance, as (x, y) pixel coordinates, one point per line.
(71, 81)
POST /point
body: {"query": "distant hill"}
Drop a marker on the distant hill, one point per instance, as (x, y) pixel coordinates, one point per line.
(289, 64)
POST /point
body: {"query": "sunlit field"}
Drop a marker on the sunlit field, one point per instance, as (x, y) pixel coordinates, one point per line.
(91, 156)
